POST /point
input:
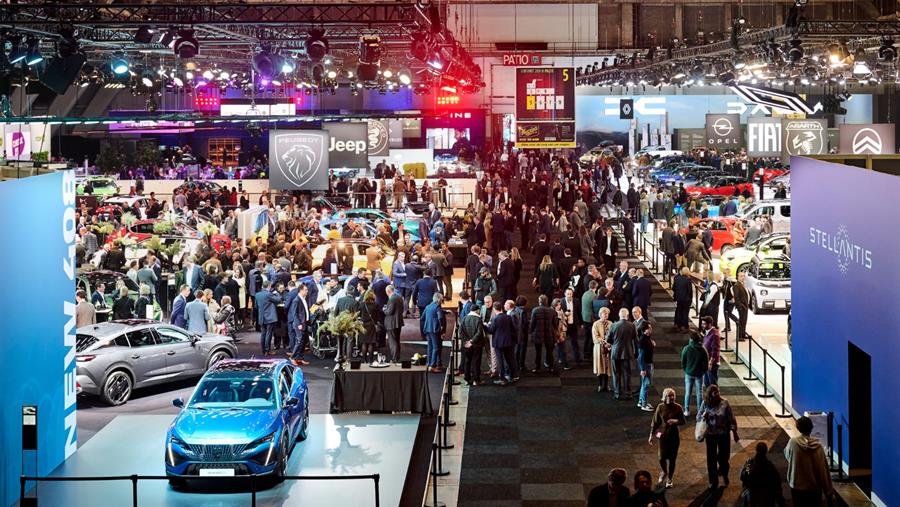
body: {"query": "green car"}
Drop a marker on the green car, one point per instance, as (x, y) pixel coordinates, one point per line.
(89, 280)
(411, 226)
(738, 259)
(99, 185)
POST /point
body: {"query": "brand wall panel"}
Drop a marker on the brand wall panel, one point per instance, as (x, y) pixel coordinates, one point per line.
(37, 337)
(846, 285)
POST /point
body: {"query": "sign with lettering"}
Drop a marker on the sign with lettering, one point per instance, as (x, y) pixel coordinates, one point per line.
(764, 137)
(545, 107)
(521, 59)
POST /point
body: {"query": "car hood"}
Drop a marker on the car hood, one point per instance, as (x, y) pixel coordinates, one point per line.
(224, 426)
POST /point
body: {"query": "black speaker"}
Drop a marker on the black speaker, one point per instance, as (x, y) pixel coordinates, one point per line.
(61, 72)
(354, 364)
(407, 364)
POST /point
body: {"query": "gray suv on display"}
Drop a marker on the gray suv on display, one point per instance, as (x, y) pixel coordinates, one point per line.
(114, 358)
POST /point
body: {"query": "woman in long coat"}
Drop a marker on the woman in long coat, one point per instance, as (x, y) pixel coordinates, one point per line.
(602, 367)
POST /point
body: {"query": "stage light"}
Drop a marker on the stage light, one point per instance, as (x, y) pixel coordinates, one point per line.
(33, 54)
(837, 55)
(264, 63)
(186, 46)
(17, 53)
(739, 61)
(316, 45)
(144, 35)
(404, 76)
(860, 66)
(177, 81)
(168, 37)
(287, 66)
(327, 61)
(331, 74)
(795, 50)
(119, 66)
(887, 51)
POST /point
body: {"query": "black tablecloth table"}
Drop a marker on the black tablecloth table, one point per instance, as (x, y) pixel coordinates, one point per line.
(390, 389)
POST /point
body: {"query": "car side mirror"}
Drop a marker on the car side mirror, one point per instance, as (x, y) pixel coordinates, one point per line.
(194, 340)
(178, 402)
(291, 402)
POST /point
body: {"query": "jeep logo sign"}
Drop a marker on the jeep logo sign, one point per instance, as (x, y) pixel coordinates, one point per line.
(349, 146)
(298, 160)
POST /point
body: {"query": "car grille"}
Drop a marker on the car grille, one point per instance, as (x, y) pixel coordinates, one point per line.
(217, 452)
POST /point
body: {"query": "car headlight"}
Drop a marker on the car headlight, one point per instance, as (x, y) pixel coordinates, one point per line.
(260, 441)
(763, 292)
(173, 457)
(261, 450)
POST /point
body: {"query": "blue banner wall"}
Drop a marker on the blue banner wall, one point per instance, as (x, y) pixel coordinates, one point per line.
(37, 322)
(845, 264)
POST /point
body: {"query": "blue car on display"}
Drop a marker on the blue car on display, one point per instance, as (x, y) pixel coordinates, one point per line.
(242, 419)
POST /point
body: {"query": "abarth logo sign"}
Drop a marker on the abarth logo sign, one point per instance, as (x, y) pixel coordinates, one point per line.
(804, 138)
(867, 141)
(846, 252)
(300, 156)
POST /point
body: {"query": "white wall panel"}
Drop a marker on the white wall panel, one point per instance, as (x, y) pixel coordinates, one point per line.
(552, 23)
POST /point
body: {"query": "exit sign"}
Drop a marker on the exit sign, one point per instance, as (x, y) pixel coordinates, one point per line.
(522, 59)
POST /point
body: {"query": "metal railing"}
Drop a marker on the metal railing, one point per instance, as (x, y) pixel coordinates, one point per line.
(252, 480)
(441, 442)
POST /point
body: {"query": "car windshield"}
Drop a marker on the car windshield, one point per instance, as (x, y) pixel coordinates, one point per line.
(237, 393)
(84, 342)
(775, 271)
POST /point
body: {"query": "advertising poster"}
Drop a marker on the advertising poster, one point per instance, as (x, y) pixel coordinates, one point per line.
(723, 131)
(545, 107)
(298, 159)
(18, 142)
(764, 137)
(867, 139)
(348, 144)
(379, 137)
(805, 137)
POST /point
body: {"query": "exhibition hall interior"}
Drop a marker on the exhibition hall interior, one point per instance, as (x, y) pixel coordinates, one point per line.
(449, 253)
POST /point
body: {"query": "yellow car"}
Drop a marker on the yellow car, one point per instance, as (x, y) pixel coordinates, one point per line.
(738, 259)
(359, 247)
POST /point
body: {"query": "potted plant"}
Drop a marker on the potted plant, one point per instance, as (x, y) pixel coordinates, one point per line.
(208, 229)
(128, 219)
(102, 230)
(163, 227)
(346, 324)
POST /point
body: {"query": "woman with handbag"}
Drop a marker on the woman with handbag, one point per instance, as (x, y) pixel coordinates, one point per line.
(716, 415)
(602, 367)
(669, 415)
(224, 318)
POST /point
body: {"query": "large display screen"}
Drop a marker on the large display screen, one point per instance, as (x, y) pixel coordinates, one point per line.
(545, 107)
(845, 289)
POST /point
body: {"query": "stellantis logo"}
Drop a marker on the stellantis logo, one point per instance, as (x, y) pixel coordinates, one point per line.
(847, 252)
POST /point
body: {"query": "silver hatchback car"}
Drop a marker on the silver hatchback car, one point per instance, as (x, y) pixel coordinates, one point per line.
(114, 358)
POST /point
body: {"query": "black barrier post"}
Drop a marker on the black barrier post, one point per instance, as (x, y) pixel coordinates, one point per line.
(253, 491)
(750, 375)
(737, 346)
(765, 381)
(134, 479)
(784, 413)
(831, 441)
(726, 349)
(377, 479)
(21, 490)
(454, 360)
(448, 400)
(434, 476)
(840, 446)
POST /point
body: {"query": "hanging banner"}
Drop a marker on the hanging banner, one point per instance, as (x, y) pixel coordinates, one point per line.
(545, 107)
(764, 137)
(867, 139)
(298, 160)
(805, 137)
(18, 142)
(723, 131)
(348, 144)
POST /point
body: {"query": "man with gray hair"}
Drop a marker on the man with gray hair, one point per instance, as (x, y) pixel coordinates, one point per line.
(622, 337)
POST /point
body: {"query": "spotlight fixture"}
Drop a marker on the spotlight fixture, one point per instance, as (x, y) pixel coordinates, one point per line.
(119, 66)
(264, 62)
(17, 53)
(795, 50)
(887, 51)
(404, 76)
(739, 60)
(287, 65)
(860, 66)
(316, 45)
(144, 34)
(68, 45)
(837, 54)
(369, 57)
(33, 54)
(168, 37)
(187, 45)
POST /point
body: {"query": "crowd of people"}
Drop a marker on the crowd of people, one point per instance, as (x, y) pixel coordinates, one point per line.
(592, 308)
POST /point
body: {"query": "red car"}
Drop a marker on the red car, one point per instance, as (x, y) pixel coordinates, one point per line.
(725, 235)
(724, 185)
(768, 173)
(141, 230)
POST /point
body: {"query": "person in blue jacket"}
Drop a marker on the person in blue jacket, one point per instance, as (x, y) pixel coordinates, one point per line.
(433, 325)
(400, 279)
(178, 307)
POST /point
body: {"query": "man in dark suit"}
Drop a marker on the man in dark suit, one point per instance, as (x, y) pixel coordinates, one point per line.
(741, 298)
(622, 337)
(543, 334)
(506, 278)
(556, 251)
(640, 292)
(423, 291)
(433, 325)
(564, 265)
(572, 310)
(393, 322)
(614, 492)
(193, 276)
(471, 336)
(540, 249)
(573, 244)
(682, 292)
(299, 310)
(607, 248)
(265, 301)
(524, 222)
(291, 308)
(473, 266)
(503, 340)
(178, 305)
(434, 216)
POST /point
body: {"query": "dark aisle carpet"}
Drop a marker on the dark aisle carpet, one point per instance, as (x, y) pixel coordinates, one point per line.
(548, 440)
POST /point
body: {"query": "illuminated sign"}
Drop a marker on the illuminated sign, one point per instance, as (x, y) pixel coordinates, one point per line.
(521, 59)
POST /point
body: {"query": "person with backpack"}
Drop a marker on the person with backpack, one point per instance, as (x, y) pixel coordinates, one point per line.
(761, 480)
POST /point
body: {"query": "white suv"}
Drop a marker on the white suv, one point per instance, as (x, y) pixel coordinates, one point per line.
(778, 209)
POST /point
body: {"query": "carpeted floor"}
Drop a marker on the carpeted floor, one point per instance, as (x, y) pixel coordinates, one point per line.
(547, 440)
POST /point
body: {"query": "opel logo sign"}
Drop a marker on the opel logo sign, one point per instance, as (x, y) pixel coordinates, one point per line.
(722, 127)
(867, 141)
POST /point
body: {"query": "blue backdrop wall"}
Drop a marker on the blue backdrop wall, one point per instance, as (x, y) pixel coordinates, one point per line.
(846, 285)
(37, 334)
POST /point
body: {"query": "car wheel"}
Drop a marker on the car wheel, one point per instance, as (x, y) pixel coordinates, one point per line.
(725, 248)
(753, 304)
(304, 425)
(282, 462)
(117, 388)
(216, 357)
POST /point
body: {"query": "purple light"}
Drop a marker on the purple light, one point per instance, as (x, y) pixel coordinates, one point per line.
(264, 82)
(200, 83)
